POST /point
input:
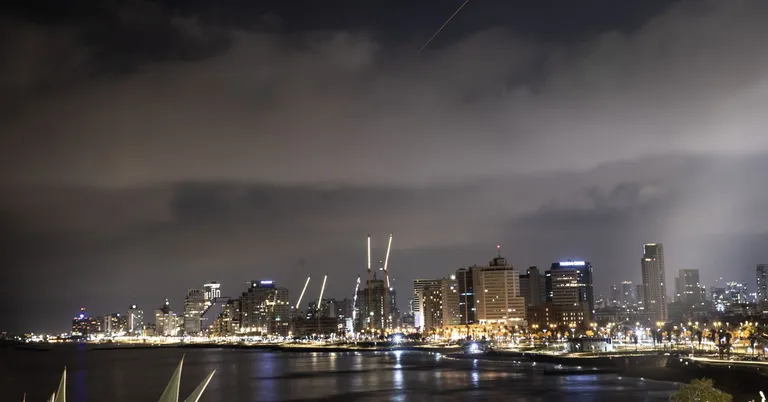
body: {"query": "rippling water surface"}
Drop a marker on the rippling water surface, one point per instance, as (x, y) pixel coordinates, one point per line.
(141, 374)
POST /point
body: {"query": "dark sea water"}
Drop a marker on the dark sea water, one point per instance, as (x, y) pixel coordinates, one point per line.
(247, 375)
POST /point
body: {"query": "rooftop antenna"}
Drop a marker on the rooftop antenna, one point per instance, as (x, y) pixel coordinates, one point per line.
(498, 250)
(302, 292)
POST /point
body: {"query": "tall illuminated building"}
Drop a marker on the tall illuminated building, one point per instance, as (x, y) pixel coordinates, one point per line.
(212, 291)
(570, 287)
(419, 287)
(497, 292)
(466, 296)
(135, 320)
(762, 286)
(654, 278)
(265, 309)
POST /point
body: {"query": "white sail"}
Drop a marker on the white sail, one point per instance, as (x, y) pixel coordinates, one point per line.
(61, 393)
(195, 396)
(171, 393)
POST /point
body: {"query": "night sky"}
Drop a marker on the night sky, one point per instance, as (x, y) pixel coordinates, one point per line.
(148, 147)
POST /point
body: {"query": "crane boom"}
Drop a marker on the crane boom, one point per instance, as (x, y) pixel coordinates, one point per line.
(322, 289)
(369, 254)
(354, 299)
(302, 293)
(386, 259)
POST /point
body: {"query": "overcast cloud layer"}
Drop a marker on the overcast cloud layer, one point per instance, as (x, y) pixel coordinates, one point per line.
(238, 152)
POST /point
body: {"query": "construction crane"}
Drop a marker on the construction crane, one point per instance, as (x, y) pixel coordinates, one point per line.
(302, 293)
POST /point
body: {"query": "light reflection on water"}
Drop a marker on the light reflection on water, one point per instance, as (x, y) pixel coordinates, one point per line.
(244, 375)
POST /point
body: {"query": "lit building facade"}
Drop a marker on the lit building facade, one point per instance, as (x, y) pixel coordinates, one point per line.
(194, 306)
(496, 294)
(467, 309)
(212, 291)
(265, 310)
(654, 278)
(762, 286)
(135, 320)
(570, 287)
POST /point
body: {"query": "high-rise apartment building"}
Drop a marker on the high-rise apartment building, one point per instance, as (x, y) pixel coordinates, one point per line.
(466, 285)
(654, 278)
(449, 288)
(762, 286)
(496, 293)
(418, 298)
(265, 309)
(194, 306)
(373, 313)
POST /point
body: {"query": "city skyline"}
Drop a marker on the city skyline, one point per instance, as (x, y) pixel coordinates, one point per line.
(147, 147)
(565, 270)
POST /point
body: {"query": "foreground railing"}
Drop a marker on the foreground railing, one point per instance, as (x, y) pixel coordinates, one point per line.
(171, 393)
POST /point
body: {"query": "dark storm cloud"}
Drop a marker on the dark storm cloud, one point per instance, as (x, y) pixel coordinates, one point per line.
(183, 146)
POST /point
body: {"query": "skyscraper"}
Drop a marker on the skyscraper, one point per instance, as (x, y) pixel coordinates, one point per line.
(466, 296)
(418, 299)
(449, 288)
(497, 299)
(689, 288)
(135, 320)
(627, 294)
(265, 309)
(570, 286)
(654, 277)
(212, 291)
(194, 306)
(762, 286)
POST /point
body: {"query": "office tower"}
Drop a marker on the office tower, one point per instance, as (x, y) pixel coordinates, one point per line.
(762, 286)
(652, 265)
(265, 309)
(135, 320)
(496, 293)
(533, 287)
(418, 297)
(194, 306)
(212, 291)
(688, 286)
(615, 296)
(467, 307)
(627, 294)
(569, 284)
